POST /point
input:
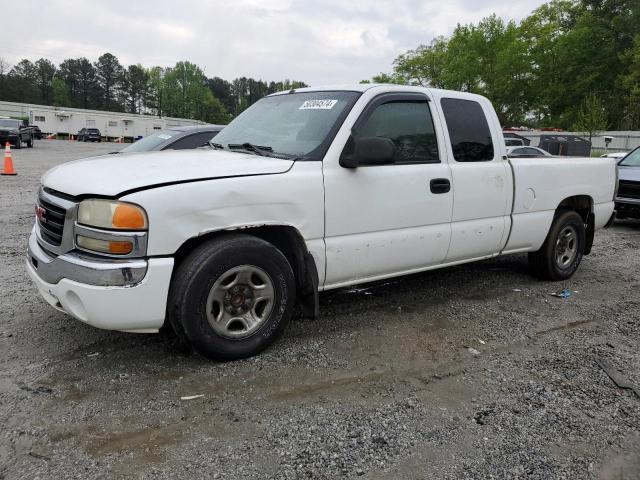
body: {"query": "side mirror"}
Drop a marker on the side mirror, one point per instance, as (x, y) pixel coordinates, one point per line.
(367, 151)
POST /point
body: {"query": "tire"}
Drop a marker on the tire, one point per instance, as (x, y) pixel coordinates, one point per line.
(563, 249)
(18, 143)
(215, 301)
(30, 142)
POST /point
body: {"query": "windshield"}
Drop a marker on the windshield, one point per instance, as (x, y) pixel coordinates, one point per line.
(632, 160)
(149, 143)
(6, 122)
(293, 124)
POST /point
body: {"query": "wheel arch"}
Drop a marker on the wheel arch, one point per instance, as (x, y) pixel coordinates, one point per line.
(290, 242)
(583, 205)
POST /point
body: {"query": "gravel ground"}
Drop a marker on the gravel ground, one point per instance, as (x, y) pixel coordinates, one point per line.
(473, 372)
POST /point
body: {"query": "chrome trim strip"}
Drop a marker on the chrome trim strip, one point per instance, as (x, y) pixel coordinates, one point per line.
(85, 269)
(630, 201)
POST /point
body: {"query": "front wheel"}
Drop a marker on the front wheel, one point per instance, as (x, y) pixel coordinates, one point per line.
(30, 143)
(232, 297)
(562, 251)
(18, 143)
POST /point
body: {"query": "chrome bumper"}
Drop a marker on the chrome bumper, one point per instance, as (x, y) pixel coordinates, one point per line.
(84, 268)
(628, 201)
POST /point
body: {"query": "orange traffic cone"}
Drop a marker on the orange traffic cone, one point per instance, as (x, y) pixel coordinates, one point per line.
(8, 162)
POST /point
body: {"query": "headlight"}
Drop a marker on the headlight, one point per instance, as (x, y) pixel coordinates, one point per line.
(112, 214)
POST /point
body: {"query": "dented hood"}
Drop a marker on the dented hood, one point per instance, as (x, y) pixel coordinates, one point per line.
(112, 175)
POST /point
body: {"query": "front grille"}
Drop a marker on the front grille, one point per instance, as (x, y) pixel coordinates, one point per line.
(628, 189)
(51, 222)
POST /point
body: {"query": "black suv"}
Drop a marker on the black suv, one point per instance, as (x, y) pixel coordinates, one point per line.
(15, 132)
(89, 135)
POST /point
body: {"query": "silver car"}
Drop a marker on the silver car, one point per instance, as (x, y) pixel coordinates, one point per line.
(175, 138)
(527, 152)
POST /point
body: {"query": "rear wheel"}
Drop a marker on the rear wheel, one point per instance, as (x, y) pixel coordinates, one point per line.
(30, 142)
(18, 143)
(562, 251)
(232, 297)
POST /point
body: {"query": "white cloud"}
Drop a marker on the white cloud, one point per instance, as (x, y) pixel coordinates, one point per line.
(330, 41)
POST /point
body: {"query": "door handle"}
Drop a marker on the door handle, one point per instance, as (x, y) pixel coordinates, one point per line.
(440, 185)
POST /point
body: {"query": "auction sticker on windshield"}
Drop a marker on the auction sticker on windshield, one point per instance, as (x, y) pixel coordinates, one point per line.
(318, 105)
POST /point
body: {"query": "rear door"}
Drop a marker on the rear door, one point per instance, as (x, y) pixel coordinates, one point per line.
(482, 182)
(387, 219)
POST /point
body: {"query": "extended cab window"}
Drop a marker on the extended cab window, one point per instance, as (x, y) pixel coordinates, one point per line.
(409, 125)
(468, 130)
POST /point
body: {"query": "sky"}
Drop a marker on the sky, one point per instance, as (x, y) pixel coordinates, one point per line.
(318, 42)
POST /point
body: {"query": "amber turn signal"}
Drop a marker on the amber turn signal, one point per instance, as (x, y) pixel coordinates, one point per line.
(127, 216)
(120, 248)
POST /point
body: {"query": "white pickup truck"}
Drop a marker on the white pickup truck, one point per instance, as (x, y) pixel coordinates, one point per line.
(308, 190)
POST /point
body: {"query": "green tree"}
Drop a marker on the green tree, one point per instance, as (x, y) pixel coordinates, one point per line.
(60, 93)
(135, 87)
(155, 92)
(109, 73)
(221, 89)
(591, 117)
(21, 83)
(630, 84)
(45, 71)
(185, 94)
(80, 77)
(425, 65)
(87, 84)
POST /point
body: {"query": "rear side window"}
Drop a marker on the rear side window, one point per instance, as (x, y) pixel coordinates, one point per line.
(409, 126)
(468, 130)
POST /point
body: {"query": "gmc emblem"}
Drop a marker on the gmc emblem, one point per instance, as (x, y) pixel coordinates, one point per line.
(40, 214)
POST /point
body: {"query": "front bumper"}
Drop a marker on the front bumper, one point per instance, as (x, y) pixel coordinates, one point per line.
(127, 295)
(628, 207)
(13, 139)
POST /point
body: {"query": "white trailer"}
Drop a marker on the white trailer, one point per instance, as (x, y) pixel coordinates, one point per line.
(64, 121)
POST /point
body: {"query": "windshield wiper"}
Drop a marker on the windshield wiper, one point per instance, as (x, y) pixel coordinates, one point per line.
(257, 149)
(216, 146)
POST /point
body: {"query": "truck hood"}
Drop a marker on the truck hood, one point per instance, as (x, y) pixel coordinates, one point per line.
(631, 174)
(112, 175)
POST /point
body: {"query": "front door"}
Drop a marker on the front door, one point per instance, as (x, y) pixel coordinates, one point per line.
(395, 218)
